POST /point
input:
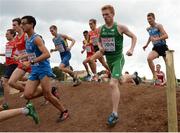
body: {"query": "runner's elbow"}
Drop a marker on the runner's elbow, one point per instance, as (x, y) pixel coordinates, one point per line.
(135, 38)
(48, 55)
(167, 36)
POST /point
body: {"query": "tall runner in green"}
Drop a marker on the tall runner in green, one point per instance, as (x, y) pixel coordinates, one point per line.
(111, 44)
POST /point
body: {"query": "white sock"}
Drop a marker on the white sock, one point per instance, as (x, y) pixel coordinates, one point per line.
(134, 76)
(115, 113)
(25, 110)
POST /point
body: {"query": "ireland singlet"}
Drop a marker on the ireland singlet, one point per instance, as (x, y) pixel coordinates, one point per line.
(112, 41)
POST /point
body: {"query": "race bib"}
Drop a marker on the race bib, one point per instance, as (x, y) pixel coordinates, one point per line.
(108, 44)
(61, 48)
(32, 56)
(8, 52)
(95, 41)
(88, 49)
(21, 52)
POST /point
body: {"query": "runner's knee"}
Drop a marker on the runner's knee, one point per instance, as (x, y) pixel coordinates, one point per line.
(11, 83)
(61, 68)
(91, 60)
(28, 96)
(113, 84)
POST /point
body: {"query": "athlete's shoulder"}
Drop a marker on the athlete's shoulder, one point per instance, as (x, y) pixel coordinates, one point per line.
(122, 28)
(121, 25)
(64, 36)
(98, 30)
(162, 72)
(159, 26)
(38, 38)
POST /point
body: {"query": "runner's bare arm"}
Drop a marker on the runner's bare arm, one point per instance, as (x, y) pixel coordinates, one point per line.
(21, 56)
(84, 45)
(55, 49)
(2, 54)
(101, 49)
(145, 46)
(124, 30)
(70, 39)
(164, 79)
(45, 53)
(164, 35)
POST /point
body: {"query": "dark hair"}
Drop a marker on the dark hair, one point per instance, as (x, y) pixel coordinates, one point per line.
(53, 26)
(30, 20)
(136, 73)
(17, 20)
(84, 32)
(151, 15)
(126, 72)
(93, 20)
(13, 32)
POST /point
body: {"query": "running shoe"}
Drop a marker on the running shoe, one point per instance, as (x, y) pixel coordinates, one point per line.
(63, 116)
(32, 112)
(112, 119)
(4, 106)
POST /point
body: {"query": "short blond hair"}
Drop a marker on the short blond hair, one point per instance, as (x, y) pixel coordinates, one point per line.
(108, 7)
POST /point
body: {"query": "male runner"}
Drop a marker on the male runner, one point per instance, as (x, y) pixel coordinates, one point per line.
(61, 45)
(158, 36)
(111, 44)
(41, 71)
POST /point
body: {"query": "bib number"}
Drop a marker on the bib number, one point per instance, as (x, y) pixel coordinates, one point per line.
(88, 49)
(95, 41)
(8, 52)
(61, 48)
(31, 57)
(108, 44)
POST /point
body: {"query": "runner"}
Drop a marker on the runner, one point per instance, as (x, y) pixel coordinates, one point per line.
(87, 45)
(111, 44)
(94, 38)
(41, 71)
(61, 45)
(158, 36)
(161, 80)
(131, 78)
(11, 65)
(19, 72)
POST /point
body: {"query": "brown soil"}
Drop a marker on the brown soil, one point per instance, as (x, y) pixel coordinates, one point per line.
(142, 108)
